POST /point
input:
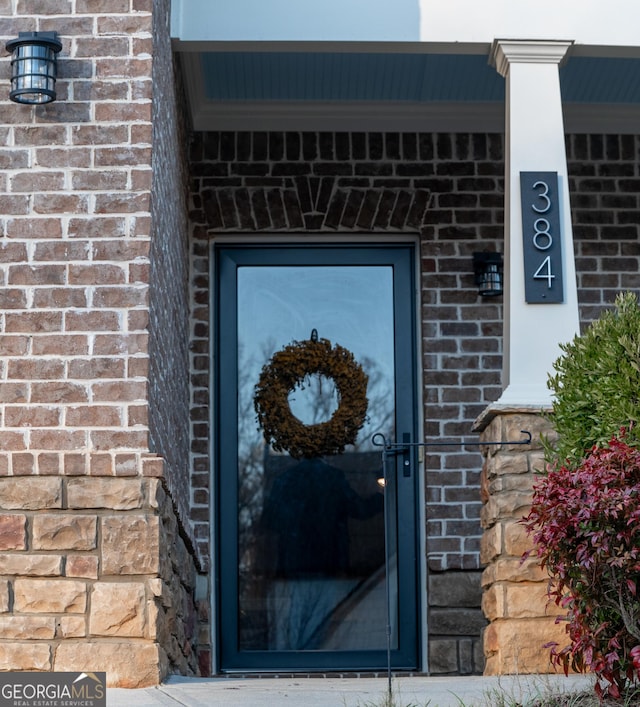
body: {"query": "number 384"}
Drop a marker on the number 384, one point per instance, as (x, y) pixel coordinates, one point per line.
(542, 238)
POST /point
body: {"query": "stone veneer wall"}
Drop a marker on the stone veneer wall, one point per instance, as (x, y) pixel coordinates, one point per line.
(94, 570)
(514, 598)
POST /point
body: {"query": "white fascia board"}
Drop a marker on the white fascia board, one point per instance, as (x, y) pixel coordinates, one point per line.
(595, 22)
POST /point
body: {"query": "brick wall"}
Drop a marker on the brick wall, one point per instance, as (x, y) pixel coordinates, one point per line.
(85, 522)
(348, 183)
(169, 273)
(447, 189)
(318, 183)
(75, 224)
(604, 181)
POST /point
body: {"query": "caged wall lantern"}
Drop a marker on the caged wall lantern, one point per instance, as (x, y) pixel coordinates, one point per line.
(488, 273)
(33, 67)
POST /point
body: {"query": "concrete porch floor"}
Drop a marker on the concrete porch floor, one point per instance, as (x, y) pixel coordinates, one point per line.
(456, 691)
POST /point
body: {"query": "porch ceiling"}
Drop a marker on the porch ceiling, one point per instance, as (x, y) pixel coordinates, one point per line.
(391, 86)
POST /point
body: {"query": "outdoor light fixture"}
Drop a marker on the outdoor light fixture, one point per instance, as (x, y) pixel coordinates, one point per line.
(33, 67)
(488, 273)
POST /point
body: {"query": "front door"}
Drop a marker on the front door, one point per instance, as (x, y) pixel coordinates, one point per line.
(316, 554)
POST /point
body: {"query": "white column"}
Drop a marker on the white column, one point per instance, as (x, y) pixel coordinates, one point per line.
(534, 142)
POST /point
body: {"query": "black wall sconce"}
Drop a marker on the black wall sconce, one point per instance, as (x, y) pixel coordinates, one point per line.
(488, 273)
(33, 67)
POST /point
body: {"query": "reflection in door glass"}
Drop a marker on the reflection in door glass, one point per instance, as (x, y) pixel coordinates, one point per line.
(311, 530)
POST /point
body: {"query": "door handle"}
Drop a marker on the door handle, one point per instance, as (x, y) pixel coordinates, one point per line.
(406, 454)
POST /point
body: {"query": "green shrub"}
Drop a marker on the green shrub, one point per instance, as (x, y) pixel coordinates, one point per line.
(585, 514)
(585, 523)
(596, 384)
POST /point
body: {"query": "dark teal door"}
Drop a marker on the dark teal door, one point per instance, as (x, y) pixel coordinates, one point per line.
(314, 557)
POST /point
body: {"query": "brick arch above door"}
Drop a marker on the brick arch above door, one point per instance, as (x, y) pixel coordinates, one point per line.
(318, 204)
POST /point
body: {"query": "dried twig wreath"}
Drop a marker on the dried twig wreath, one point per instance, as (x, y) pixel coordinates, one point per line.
(284, 372)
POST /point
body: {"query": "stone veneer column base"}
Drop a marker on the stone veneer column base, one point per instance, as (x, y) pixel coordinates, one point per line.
(95, 576)
(514, 591)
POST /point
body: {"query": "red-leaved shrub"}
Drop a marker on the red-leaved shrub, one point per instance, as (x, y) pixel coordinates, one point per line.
(585, 522)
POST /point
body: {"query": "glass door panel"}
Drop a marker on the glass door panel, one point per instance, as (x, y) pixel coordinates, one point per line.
(310, 576)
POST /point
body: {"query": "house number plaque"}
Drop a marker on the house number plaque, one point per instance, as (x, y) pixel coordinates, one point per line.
(541, 237)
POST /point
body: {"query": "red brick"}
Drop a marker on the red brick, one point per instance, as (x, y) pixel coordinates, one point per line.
(51, 440)
(60, 345)
(14, 159)
(138, 367)
(63, 157)
(138, 415)
(34, 228)
(12, 441)
(103, 180)
(129, 345)
(141, 179)
(126, 465)
(129, 156)
(120, 297)
(15, 345)
(13, 299)
(141, 226)
(97, 227)
(99, 134)
(33, 322)
(94, 416)
(60, 203)
(124, 24)
(34, 369)
(121, 439)
(102, 47)
(67, 27)
(95, 90)
(59, 297)
(96, 368)
(31, 416)
(94, 7)
(37, 7)
(60, 250)
(14, 205)
(101, 464)
(92, 321)
(12, 252)
(137, 320)
(13, 392)
(122, 391)
(58, 392)
(153, 468)
(37, 181)
(100, 274)
(142, 46)
(75, 464)
(40, 135)
(120, 250)
(37, 275)
(123, 112)
(121, 203)
(23, 464)
(49, 464)
(141, 134)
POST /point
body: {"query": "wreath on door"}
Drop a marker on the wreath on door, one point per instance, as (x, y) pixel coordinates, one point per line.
(286, 370)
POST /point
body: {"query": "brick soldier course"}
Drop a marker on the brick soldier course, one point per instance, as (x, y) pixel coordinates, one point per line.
(108, 206)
